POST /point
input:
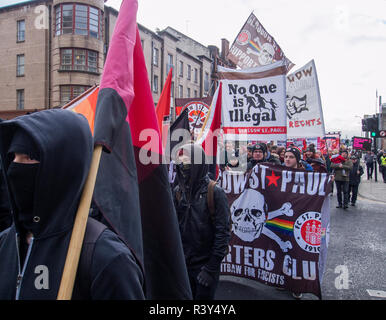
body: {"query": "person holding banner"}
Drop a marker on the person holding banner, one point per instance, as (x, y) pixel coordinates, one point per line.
(47, 157)
(342, 178)
(204, 218)
(260, 154)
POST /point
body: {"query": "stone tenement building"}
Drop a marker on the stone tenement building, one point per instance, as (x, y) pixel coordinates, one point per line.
(53, 50)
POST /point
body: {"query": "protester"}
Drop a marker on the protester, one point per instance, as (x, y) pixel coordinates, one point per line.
(342, 177)
(47, 157)
(205, 228)
(250, 148)
(5, 214)
(382, 165)
(281, 152)
(292, 160)
(369, 160)
(355, 179)
(310, 152)
(260, 154)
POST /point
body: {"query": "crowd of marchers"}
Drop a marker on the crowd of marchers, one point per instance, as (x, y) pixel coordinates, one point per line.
(43, 190)
(343, 164)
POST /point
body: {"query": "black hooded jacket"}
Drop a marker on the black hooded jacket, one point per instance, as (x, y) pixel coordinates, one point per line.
(65, 146)
(205, 238)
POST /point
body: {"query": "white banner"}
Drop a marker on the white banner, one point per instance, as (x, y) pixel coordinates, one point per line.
(304, 107)
(253, 102)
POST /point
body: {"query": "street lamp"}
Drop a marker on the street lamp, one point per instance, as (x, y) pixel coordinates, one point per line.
(360, 123)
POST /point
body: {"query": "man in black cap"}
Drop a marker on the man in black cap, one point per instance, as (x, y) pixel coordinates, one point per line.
(260, 154)
(292, 158)
(47, 156)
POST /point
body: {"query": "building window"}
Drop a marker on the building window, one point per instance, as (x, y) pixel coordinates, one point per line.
(189, 72)
(195, 75)
(188, 93)
(68, 93)
(195, 94)
(78, 19)
(155, 56)
(20, 30)
(180, 91)
(20, 65)
(155, 84)
(181, 67)
(172, 90)
(206, 82)
(78, 60)
(20, 99)
(169, 65)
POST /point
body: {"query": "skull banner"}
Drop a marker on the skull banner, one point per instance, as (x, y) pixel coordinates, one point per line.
(280, 225)
(254, 47)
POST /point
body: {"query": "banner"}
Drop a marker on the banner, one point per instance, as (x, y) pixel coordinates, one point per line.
(331, 142)
(254, 47)
(304, 107)
(280, 226)
(253, 102)
(198, 109)
(361, 143)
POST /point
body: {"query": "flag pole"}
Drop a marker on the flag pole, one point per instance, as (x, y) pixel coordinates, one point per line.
(79, 229)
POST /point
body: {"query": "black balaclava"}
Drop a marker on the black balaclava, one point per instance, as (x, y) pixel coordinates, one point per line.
(22, 178)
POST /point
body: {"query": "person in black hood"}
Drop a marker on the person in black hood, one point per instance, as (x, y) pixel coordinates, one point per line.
(47, 156)
(5, 213)
(205, 234)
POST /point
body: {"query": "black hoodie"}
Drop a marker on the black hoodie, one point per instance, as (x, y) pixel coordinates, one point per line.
(65, 146)
(205, 238)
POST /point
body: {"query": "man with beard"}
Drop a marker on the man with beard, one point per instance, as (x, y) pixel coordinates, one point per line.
(204, 219)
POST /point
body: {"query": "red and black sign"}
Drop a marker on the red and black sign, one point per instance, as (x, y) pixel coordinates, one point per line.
(360, 143)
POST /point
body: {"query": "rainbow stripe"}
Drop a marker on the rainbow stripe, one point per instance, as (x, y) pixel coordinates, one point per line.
(282, 226)
(254, 46)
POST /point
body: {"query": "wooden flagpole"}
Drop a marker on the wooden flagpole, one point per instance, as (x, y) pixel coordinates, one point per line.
(79, 229)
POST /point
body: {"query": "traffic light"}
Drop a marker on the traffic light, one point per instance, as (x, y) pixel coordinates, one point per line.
(372, 124)
(364, 125)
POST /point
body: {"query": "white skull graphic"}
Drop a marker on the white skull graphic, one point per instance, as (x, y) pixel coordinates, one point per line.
(266, 54)
(248, 222)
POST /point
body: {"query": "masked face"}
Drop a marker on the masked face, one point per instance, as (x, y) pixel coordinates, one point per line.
(22, 178)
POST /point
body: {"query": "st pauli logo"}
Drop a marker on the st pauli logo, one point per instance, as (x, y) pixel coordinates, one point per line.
(308, 231)
(197, 112)
(243, 38)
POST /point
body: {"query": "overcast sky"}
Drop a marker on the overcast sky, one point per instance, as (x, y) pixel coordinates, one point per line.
(346, 39)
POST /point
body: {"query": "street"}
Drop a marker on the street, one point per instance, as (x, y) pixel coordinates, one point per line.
(355, 258)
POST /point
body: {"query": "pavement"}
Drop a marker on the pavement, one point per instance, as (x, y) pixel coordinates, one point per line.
(371, 189)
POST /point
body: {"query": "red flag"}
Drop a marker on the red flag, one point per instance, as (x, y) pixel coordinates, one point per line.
(212, 130)
(132, 193)
(163, 107)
